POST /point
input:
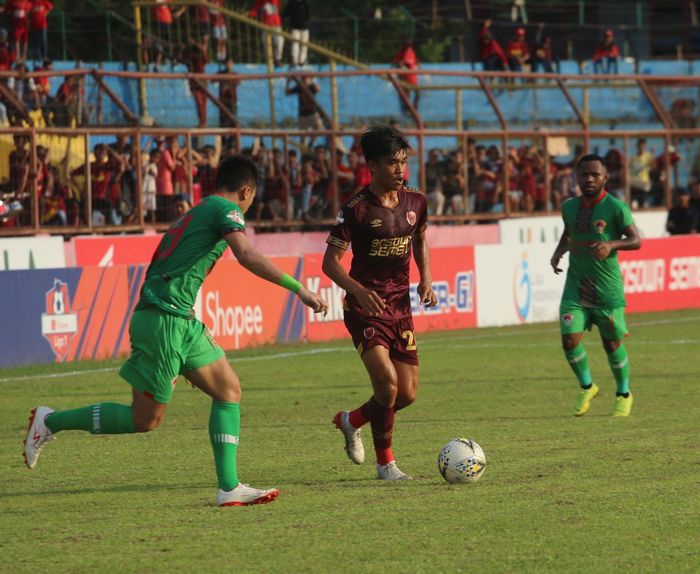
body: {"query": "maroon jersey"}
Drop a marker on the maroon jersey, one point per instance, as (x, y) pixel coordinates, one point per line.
(381, 246)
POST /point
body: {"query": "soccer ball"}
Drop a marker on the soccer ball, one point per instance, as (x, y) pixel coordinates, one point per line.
(461, 460)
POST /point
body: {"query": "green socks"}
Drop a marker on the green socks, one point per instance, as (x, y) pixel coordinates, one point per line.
(102, 418)
(620, 367)
(578, 361)
(224, 426)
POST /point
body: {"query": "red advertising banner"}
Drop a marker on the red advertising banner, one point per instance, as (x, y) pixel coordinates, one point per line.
(242, 310)
(663, 275)
(453, 281)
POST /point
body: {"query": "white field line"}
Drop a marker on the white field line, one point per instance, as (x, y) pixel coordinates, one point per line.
(459, 342)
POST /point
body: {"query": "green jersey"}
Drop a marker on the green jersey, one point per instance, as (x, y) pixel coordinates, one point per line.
(589, 282)
(187, 253)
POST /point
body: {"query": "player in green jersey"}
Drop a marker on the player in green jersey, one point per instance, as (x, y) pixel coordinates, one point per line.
(167, 340)
(596, 227)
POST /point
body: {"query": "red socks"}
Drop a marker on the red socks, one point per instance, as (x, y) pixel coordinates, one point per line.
(382, 422)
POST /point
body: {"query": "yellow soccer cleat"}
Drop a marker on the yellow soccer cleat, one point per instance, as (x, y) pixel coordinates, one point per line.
(583, 401)
(623, 406)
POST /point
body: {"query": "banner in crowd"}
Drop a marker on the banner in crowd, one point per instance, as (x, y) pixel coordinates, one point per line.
(242, 310)
(516, 284)
(663, 275)
(453, 281)
(18, 253)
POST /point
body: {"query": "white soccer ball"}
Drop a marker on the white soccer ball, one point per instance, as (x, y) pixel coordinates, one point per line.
(461, 460)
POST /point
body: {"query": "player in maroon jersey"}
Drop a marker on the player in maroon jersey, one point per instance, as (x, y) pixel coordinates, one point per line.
(383, 222)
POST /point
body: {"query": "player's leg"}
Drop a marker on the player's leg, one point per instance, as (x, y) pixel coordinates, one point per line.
(208, 369)
(572, 322)
(613, 329)
(150, 370)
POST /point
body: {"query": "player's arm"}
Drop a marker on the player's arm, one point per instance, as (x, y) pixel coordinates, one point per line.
(259, 265)
(369, 300)
(421, 253)
(561, 249)
(630, 241)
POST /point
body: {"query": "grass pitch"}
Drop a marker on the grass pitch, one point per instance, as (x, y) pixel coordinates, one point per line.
(559, 494)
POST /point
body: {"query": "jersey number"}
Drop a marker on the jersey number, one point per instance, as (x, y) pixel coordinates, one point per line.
(410, 340)
(171, 239)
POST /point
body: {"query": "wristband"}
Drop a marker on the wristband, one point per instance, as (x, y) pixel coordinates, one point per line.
(288, 282)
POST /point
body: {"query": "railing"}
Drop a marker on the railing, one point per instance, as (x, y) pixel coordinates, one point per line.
(472, 110)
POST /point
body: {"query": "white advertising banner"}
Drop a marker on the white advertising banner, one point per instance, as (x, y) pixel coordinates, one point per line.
(516, 284)
(19, 253)
(546, 230)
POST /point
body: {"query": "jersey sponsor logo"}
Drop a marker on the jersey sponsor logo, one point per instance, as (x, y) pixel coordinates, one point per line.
(599, 225)
(58, 324)
(236, 216)
(375, 223)
(390, 246)
(339, 218)
(567, 319)
(411, 217)
(368, 332)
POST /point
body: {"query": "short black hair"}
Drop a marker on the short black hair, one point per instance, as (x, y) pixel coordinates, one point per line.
(382, 141)
(235, 172)
(591, 157)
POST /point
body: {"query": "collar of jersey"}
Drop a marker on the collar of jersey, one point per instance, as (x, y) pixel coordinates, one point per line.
(375, 199)
(595, 201)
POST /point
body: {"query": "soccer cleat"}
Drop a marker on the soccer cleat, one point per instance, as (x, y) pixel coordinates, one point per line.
(38, 434)
(583, 402)
(244, 495)
(391, 472)
(353, 437)
(623, 406)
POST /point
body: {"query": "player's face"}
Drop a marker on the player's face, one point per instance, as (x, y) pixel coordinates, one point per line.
(592, 177)
(388, 171)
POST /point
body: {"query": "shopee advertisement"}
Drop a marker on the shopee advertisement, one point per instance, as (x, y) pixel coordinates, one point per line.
(242, 310)
(453, 281)
(663, 275)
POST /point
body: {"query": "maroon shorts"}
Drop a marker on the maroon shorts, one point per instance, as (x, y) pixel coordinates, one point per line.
(20, 33)
(397, 335)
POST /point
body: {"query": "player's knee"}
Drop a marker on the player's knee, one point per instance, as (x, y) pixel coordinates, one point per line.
(568, 342)
(404, 400)
(147, 423)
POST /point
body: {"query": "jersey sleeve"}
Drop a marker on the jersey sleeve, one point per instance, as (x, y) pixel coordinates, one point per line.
(341, 232)
(624, 216)
(228, 218)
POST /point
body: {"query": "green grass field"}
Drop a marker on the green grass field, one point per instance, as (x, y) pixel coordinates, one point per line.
(559, 494)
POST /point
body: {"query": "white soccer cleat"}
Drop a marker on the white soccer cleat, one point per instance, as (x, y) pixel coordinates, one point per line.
(353, 437)
(244, 495)
(391, 472)
(38, 434)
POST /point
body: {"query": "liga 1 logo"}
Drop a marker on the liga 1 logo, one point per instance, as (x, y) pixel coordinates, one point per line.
(58, 324)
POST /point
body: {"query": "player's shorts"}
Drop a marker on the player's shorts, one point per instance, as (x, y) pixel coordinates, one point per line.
(611, 322)
(164, 346)
(398, 336)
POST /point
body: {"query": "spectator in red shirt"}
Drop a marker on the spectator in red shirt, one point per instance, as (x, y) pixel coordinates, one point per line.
(268, 12)
(218, 24)
(196, 61)
(7, 56)
(406, 58)
(492, 56)
(202, 19)
(164, 20)
(606, 55)
(517, 52)
(40, 27)
(20, 10)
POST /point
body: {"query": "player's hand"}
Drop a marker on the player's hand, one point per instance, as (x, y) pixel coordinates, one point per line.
(554, 262)
(313, 300)
(428, 297)
(600, 250)
(370, 302)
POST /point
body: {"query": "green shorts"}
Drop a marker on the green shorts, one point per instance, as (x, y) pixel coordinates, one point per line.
(575, 318)
(164, 346)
